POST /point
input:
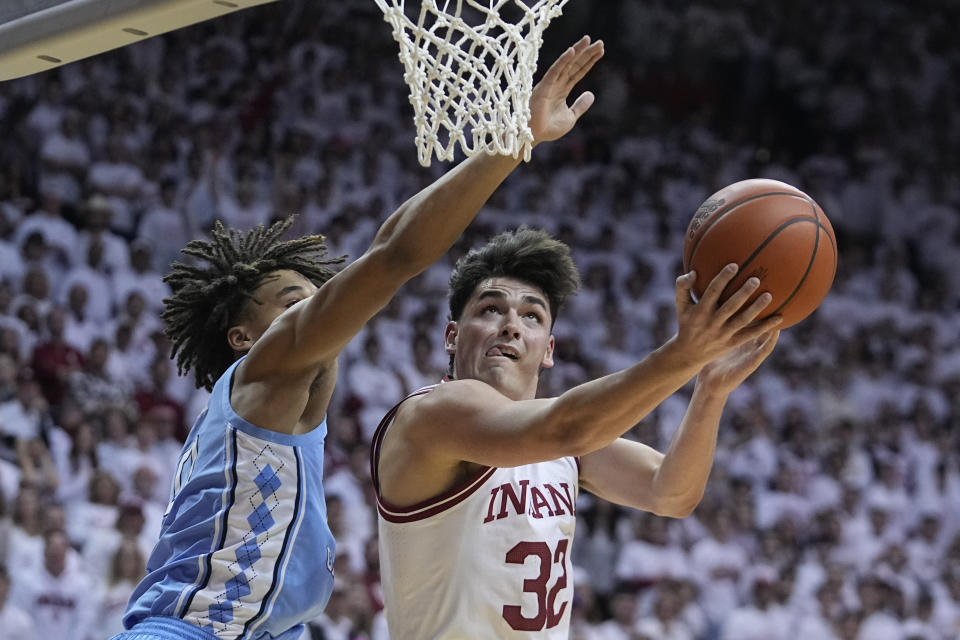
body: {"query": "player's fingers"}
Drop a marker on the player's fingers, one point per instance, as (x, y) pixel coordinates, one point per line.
(581, 104)
(581, 64)
(769, 341)
(714, 290)
(561, 65)
(758, 329)
(752, 311)
(684, 286)
(732, 304)
(557, 70)
(761, 347)
(581, 44)
(569, 65)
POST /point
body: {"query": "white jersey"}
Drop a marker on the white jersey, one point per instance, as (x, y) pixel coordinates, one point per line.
(489, 559)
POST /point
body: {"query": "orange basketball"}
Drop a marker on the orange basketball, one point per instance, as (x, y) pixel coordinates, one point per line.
(773, 231)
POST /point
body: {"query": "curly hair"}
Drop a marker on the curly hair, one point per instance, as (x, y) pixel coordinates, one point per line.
(529, 255)
(210, 297)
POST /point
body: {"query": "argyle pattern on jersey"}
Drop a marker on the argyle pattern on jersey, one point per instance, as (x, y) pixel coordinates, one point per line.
(244, 569)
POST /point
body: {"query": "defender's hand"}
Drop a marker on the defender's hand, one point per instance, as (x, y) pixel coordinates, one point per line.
(550, 117)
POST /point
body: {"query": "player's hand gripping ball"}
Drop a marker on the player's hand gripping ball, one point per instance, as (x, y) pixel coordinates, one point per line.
(773, 231)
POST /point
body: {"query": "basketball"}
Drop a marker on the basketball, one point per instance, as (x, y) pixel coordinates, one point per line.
(773, 231)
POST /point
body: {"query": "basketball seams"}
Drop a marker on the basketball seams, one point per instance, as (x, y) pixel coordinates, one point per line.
(733, 206)
(803, 278)
(766, 241)
(813, 257)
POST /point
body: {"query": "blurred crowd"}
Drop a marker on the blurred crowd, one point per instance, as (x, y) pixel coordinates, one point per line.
(830, 513)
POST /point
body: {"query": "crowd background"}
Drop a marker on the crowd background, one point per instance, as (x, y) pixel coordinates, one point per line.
(831, 512)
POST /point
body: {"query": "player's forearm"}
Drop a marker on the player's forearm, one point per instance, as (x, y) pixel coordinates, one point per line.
(595, 413)
(426, 225)
(681, 478)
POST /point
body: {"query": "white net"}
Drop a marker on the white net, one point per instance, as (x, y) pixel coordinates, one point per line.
(469, 66)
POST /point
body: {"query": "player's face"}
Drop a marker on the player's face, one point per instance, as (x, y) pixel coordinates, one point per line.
(503, 337)
(279, 291)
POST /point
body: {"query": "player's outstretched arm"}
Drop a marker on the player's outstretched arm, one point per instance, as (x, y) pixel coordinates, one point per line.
(415, 236)
(635, 475)
(496, 431)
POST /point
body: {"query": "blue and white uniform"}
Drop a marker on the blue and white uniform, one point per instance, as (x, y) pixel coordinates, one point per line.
(245, 551)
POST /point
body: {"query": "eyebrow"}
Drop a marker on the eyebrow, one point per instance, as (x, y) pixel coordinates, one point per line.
(290, 289)
(493, 293)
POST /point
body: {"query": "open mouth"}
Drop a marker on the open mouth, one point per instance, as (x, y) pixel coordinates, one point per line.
(506, 352)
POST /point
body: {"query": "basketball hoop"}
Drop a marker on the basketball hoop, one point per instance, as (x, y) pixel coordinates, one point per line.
(470, 72)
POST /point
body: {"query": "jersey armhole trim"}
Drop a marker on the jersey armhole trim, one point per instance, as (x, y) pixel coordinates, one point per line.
(427, 508)
(432, 506)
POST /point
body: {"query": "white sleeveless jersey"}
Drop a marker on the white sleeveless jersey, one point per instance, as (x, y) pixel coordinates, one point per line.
(487, 560)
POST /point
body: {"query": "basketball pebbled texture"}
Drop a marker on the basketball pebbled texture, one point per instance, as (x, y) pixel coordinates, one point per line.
(773, 231)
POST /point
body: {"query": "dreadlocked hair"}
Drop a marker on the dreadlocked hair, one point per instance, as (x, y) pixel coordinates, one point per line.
(209, 297)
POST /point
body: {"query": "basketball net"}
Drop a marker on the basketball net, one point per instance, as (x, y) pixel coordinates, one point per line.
(470, 82)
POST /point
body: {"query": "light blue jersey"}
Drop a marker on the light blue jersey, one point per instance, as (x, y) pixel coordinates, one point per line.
(245, 551)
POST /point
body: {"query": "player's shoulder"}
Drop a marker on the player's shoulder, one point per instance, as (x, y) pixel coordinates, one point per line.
(451, 393)
(442, 404)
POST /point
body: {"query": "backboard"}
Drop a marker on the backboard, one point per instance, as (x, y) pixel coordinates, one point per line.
(37, 35)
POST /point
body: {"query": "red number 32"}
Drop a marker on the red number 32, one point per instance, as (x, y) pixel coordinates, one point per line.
(546, 616)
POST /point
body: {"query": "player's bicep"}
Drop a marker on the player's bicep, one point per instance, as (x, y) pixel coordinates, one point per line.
(468, 420)
(623, 472)
(337, 312)
(316, 330)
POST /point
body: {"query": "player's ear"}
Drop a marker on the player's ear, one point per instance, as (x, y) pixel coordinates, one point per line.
(239, 338)
(450, 337)
(547, 360)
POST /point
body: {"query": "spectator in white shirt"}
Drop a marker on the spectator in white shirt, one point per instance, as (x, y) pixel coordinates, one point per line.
(760, 618)
(80, 330)
(20, 417)
(48, 108)
(782, 500)
(66, 157)
(121, 181)
(624, 613)
(25, 546)
(58, 593)
(946, 607)
(13, 620)
(75, 457)
(245, 211)
(921, 624)
(144, 324)
(100, 549)
(125, 569)
(377, 384)
(665, 623)
(879, 602)
(925, 549)
(48, 220)
(166, 226)
(418, 369)
(819, 622)
(98, 213)
(717, 561)
(652, 556)
(96, 514)
(91, 273)
(142, 277)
